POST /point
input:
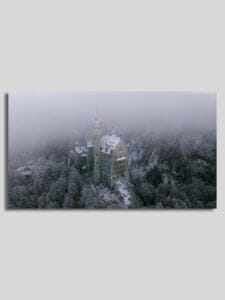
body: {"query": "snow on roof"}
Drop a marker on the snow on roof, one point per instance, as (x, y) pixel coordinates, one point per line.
(81, 149)
(25, 171)
(90, 144)
(121, 158)
(109, 143)
(20, 169)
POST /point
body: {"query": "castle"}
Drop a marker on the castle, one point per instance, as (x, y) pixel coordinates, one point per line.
(105, 155)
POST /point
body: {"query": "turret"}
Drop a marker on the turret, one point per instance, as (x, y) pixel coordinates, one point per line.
(97, 136)
(97, 132)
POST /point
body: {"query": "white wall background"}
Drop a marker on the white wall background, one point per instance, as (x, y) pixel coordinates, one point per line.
(113, 45)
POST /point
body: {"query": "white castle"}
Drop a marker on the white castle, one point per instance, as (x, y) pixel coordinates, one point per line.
(105, 155)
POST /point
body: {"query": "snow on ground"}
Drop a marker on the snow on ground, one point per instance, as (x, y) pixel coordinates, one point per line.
(122, 190)
(102, 197)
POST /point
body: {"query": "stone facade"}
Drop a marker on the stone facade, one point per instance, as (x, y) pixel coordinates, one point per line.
(110, 155)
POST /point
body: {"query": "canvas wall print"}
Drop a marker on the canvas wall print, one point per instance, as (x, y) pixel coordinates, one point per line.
(111, 150)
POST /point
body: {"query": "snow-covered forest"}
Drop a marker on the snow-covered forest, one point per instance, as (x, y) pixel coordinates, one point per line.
(166, 171)
(171, 139)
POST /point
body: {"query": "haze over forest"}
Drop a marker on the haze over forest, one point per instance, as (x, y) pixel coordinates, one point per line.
(38, 118)
(168, 157)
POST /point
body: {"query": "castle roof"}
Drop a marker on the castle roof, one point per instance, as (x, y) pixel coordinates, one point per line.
(121, 158)
(90, 144)
(24, 171)
(109, 143)
(81, 149)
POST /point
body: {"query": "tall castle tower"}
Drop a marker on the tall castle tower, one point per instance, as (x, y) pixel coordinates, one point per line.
(97, 136)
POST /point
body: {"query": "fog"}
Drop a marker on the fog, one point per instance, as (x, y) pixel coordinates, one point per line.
(37, 118)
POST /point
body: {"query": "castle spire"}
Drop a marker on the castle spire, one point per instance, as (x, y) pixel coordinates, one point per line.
(97, 114)
(113, 131)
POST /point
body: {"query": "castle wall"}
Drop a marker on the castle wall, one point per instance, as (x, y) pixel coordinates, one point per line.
(90, 158)
(107, 170)
(114, 166)
(97, 165)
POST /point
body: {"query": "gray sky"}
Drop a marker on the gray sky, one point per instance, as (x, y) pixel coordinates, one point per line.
(35, 118)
